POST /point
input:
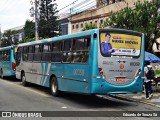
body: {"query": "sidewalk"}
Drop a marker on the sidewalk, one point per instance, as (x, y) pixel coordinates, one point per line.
(141, 97)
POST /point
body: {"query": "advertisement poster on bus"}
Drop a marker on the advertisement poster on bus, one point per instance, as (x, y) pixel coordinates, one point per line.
(120, 44)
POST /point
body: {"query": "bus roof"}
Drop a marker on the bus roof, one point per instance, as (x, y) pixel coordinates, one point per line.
(78, 34)
(8, 47)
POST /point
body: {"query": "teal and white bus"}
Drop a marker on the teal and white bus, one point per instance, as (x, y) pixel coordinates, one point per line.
(76, 63)
(7, 61)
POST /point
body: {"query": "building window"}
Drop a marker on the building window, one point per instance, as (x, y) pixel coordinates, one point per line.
(107, 18)
(117, 0)
(81, 25)
(77, 26)
(72, 26)
(113, 1)
(95, 22)
(64, 29)
(101, 21)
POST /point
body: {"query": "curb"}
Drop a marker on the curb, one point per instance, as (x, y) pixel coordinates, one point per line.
(134, 100)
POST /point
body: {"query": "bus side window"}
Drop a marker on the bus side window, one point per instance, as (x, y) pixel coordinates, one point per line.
(5, 55)
(18, 56)
(56, 52)
(87, 44)
(37, 53)
(87, 50)
(25, 54)
(78, 46)
(46, 52)
(8, 52)
(67, 56)
(30, 53)
(81, 51)
(0, 55)
(85, 57)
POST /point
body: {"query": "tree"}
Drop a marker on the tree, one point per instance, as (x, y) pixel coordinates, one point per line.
(48, 24)
(7, 38)
(89, 26)
(142, 18)
(29, 29)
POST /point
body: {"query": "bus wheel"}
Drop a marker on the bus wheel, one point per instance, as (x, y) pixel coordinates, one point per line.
(54, 87)
(2, 74)
(23, 78)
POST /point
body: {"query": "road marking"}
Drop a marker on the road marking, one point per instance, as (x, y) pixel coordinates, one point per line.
(29, 89)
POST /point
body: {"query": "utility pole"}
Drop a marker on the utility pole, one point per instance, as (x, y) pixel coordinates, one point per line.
(34, 13)
(0, 35)
(36, 20)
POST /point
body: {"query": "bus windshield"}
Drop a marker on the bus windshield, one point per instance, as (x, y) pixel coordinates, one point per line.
(120, 44)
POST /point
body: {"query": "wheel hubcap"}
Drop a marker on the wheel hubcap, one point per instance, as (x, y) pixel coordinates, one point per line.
(23, 79)
(54, 87)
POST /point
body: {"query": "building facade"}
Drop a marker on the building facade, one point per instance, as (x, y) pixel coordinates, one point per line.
(99, 13)
(65, 24)
(18, 34)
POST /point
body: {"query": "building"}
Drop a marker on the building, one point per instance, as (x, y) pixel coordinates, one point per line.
(97, 14)
(18, 33)
(65, 24)
(0, 33)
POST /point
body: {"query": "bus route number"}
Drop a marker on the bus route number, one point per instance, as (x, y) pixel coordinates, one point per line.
(79, 72)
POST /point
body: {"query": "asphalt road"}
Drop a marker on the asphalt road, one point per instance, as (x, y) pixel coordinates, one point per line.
(15, 97)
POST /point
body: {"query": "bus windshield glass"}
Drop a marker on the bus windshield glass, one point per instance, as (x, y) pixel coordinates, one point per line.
(122, 44)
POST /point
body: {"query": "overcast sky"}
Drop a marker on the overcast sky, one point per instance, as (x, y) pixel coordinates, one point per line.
(14, 13)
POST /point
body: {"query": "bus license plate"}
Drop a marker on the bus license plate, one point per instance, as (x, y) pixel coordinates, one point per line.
(120, 79)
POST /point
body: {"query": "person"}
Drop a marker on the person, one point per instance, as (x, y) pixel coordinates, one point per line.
(106, 46)
(147, 81)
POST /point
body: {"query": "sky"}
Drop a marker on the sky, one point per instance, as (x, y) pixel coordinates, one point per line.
(14, 13)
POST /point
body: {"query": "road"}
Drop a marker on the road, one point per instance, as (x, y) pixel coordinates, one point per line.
(15, 97)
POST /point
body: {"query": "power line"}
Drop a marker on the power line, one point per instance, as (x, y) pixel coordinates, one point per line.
(89, 7)
(41, 27)
(68, 5)
(92, 6)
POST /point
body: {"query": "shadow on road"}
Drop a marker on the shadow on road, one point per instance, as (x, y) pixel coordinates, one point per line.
(97, 101)
(11, 79)
(79, 100)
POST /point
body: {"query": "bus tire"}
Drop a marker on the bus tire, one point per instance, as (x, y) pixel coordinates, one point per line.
(2, 76)
(54, 87)
(23, 78)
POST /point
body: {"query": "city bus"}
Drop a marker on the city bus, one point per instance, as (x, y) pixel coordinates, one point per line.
(7, 61)
(77, 62)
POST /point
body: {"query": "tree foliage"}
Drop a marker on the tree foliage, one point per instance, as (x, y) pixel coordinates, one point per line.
(7, 38)
(142, 18)
(29, 29)
(48, 24)
(89, 26)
